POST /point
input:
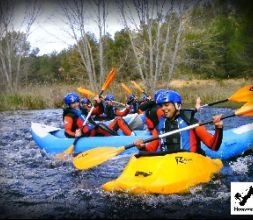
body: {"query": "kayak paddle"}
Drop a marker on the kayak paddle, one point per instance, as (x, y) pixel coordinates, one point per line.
(137, 86)
(106, 84)
(96, 156)
(126, 88)
(119, 103)
(244, 94)
(87, 93)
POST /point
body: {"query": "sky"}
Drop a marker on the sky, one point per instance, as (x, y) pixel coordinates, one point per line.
(50, 32)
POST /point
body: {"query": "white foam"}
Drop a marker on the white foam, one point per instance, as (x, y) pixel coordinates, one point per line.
(241, 165)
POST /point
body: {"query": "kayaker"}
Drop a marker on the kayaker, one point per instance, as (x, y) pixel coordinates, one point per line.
(133, 102)
(74, 118)
(172, 119)
(143, 101)
(110, 111)
(86, 103)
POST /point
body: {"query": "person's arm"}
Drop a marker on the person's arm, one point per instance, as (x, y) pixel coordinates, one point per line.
(124, 112)
(98, 106)
(211, 141)
(87, 128)
(197, 104)
(98, 109)
(150, 124)
(84, 129)
(68, 123)
(153, 145)
(103, 115)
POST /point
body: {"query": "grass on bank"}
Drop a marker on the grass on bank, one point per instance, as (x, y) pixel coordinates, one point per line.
(51, 96)
(17, 102)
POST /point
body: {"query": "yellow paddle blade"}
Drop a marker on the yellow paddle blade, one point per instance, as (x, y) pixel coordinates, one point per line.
(244, 94)
(109, 79)
(85, 92)
(126, 88)
(67, 152)
(96, 156)
(137, 86)
(245, 110)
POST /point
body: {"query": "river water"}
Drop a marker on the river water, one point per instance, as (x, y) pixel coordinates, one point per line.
(34, 185)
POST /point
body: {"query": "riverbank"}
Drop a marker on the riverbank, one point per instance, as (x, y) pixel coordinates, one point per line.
(51, 96)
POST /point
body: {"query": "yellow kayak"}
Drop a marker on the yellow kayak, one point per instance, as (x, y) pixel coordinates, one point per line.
(168, 174)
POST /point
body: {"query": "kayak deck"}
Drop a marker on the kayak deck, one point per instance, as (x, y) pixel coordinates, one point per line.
(168, 174)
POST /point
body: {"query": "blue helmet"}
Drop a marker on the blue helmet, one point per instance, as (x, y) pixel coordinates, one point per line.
(169, 96)
(158, 92)
(109, 98)
(85, 101)
(132, 96)
(144, 98)
(71, 98)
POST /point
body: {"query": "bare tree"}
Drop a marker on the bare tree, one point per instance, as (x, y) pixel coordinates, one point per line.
(78, 13)
(13, 40)
(75, 14)
(101, 21)
(158, 27)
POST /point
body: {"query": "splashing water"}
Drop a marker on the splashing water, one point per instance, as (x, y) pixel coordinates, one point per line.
(241, 165)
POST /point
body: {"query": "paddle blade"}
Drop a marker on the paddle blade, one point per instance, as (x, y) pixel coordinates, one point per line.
(244, 94)
(96, 156)
(245, 110)
(85, 92)
(67, 152)
(109, 79)
(137, 86)
(129, 92)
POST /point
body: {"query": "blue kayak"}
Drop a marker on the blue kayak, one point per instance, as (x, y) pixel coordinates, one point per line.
(51, 139)
(235, 142)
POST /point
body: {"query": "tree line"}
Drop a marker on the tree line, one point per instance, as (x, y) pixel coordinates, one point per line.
(204, 39)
